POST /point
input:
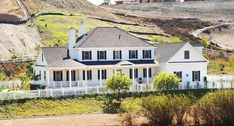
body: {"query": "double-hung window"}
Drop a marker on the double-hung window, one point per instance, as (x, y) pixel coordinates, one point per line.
(117, 55)
(86, 55)
(196, 75)
(133, 54)
(179, 74)
(146, 54)
(89, 75)
(101, 55)
(186, 54)
(145, 72)
(102, 73)
(135, 73)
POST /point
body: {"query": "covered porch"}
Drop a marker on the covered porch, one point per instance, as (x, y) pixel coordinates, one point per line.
(95, 75)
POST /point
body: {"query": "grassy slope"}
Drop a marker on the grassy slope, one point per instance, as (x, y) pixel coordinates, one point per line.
(54, 28)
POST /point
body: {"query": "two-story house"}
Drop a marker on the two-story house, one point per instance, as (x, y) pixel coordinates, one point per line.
(95, 56)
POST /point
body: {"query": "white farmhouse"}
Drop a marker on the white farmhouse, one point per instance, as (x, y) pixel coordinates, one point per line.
(95, 56)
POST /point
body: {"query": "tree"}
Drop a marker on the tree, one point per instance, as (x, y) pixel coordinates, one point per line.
(116, 83)
(166, 81)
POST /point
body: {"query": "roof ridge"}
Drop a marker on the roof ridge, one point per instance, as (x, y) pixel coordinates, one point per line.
(135, 36)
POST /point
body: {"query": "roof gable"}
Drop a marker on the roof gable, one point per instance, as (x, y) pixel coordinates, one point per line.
(194, 55)
(166, 51)
(110, 37)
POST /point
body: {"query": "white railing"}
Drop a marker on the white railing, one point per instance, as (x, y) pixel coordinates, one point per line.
(85, 89)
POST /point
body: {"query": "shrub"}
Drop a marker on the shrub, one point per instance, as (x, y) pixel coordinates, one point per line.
(166, 81)
(157, 110)
(220, 54)
(205, 42)
(166, 109)
(217, 108)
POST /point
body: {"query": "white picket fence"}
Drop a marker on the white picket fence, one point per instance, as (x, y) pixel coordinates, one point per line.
(74, 91)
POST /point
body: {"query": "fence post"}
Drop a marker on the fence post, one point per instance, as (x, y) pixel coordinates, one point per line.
(39, 93)
(51, 92)
(62, 92)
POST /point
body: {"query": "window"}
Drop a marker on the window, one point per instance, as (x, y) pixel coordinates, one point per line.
(103, 73)
(101, 55)
(146, 54)
(73, 75)
(179, 74)
(133, 54)
(39, 76)
(186, 54)
(117, 55)
(89, 75)
(196, 75)
(86, 55)
(58, 75)
(145, 72)
(44, 75)
(135, 73)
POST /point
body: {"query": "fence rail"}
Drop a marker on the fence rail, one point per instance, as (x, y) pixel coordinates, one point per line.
(25, 58)
(78, 91)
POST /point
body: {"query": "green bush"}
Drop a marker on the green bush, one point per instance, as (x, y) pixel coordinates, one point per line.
(161, 110)
(217, 108)
(220, 54)
(205, 42)
(166, 81)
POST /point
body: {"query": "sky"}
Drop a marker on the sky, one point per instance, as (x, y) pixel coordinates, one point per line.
(98, 2)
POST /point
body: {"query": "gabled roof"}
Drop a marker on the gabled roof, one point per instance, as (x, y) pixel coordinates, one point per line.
(58, 57)
(110, 37)
(166, 51)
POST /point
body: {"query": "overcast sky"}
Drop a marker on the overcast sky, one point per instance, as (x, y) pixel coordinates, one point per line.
(98, 2)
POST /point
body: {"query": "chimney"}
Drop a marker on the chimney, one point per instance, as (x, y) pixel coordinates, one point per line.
(72, 41)
(81, 29)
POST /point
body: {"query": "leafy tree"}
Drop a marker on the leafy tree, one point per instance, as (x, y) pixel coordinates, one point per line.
(116, 83)
(166, 81)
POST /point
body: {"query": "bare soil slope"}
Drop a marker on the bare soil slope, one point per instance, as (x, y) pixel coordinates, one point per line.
(10, 10)
(18, 39)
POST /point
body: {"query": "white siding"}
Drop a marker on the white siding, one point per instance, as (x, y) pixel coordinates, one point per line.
(109, 53)
(194, 54)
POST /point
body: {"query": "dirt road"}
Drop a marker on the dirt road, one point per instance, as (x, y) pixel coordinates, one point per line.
(68, 120)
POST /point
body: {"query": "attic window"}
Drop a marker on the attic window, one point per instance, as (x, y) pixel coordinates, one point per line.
(186, 54)
(119, 36)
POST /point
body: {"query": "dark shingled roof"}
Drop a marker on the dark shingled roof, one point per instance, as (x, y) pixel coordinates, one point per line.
(166, 51)
(111, 37)
(58, 57)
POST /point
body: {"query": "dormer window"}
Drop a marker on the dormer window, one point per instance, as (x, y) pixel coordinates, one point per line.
(86, 55)
(133, 54)
(101, 55)
(42, 58)
(186, 54)
(117, 55)
(146, 54)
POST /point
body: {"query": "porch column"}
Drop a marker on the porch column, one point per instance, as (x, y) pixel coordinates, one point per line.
(48, 77)
(115, 70)
(100, 77)
(70, 79)
(133, 75)
(147, 75)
